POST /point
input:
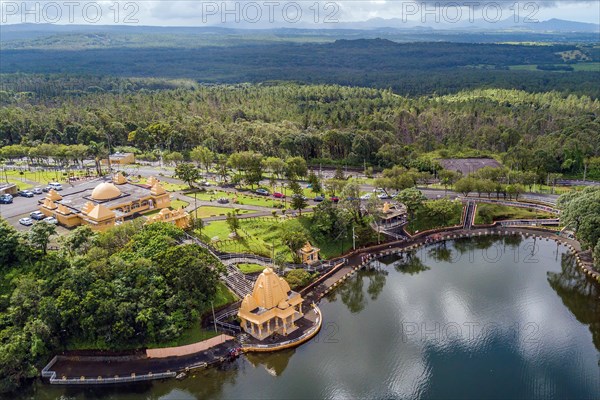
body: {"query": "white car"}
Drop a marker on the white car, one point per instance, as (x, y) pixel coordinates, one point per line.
(26, 221)
(56, 186)
(50, 220)
(37, 190)
(378, 190)
(366, 196)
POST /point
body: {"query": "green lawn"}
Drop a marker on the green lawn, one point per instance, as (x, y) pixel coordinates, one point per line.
(589, 66)
(258, 236)
(41, 178)
(242, 199)
(488, 213)
(174, 187)
(250, 268)
(210, 211)
(423, 220)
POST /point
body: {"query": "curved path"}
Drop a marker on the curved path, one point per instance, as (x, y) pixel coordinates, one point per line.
(362, 257)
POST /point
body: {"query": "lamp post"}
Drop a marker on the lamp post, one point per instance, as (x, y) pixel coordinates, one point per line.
(213, 313)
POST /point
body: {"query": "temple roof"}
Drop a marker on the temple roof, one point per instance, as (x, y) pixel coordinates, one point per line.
(157, 189)
(269, 291)
(119, 179)
(53, 195)
(106, 191)
(100, 213)
(308, 248)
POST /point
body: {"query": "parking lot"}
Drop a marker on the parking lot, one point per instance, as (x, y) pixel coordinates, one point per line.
(22, 206)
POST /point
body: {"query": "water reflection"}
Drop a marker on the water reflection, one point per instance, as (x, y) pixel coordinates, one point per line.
(579, 293)
(442, 322)
(274, 363)
(352, 292)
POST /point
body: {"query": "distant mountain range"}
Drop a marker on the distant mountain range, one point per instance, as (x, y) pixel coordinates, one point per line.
(551, 25)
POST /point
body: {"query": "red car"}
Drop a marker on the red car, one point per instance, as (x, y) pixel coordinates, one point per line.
(335, 199)
(278, 195)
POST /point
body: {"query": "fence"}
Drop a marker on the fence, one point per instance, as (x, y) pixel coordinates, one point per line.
(51, 376)
(289, 343)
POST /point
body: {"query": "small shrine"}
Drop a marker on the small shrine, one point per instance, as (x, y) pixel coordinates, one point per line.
(309, 254)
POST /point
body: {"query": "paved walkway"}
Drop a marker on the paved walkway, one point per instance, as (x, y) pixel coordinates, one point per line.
(189, 349)
(361, 257)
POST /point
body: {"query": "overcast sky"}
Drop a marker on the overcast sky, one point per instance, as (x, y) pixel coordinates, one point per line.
(277, 13)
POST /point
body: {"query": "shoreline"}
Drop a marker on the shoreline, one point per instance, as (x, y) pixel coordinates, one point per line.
(354, 261)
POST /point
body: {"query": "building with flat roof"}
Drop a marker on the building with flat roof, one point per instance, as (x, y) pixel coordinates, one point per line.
(120, 159)
(8, 188)
(109, 203)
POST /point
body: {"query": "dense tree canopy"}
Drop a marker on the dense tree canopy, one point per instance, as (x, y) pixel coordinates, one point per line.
(129, 286)
(331, 124)
(581, 212)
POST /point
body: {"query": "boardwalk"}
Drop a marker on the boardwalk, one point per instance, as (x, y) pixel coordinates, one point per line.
(189, 349)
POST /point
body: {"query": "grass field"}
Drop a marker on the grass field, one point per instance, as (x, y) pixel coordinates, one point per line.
(210, 211)
(240, 199)
(592, 66)
(174, 187)
(250, 268)
(257, 236)
(423, 220)
(488, 213)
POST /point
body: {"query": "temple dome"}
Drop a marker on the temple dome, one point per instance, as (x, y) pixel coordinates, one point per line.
(105, 191)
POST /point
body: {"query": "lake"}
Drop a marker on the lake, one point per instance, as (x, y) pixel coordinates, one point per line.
(473, 318)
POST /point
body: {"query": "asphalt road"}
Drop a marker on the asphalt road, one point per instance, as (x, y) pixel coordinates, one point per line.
(22, 206)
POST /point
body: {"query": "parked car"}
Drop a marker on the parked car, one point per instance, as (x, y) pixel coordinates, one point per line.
(56, 186)
(37, 190)
(26, 221)
(319, 199)
(262, 192)
(335, 199)
(299, 195)
(50, 220)
(46, 189)
(223, 200)
(25, 193)
(366, 196)
(278, 195)
(206, 183)
(37, 215)
(6, 199)
(384, 196)
(378, 190)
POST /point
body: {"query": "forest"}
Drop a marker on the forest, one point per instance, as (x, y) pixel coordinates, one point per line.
(122, 289)
(329, 124)
(413, 69)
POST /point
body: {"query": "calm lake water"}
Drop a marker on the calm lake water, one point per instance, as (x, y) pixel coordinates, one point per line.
(484, 318)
